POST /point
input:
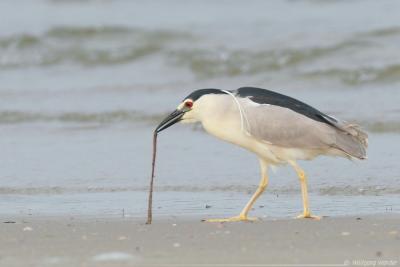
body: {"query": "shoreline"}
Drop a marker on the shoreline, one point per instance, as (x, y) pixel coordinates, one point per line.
(89, 241)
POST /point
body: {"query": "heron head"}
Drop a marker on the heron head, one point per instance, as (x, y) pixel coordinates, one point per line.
(188, 110)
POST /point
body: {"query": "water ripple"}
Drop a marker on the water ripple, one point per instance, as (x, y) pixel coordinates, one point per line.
(348, 190)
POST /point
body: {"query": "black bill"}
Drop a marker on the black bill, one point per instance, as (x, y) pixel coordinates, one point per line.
(170, 120)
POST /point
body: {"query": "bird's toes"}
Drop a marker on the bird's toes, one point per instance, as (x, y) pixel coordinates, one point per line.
(309, 216)
(233, 219)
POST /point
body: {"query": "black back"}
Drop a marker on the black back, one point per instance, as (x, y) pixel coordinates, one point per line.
(198, 93)
(263, 96)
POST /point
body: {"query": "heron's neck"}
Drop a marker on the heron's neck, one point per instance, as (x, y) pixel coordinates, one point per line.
(220, 117)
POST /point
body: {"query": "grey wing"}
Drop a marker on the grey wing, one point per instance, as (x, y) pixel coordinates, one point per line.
(284, 127)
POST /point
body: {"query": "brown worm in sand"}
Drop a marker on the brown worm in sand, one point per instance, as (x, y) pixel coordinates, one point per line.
(150, 204)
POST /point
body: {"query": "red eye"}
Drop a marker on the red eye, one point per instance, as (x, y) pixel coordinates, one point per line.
(189, 104)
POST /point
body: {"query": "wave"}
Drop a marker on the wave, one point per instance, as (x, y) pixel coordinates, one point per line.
(113, 45)
(15, 117)
(383, 32)
(129, 116)
(86, 46)
(223, 62)
(206, 63)
(109, 45)
(359, 76)
(327, 191)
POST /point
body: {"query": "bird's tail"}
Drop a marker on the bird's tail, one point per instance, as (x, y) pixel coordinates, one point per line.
(352, 140)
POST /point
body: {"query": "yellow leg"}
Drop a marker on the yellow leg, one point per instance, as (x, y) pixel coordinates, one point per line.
(304, 192)
(243, 214)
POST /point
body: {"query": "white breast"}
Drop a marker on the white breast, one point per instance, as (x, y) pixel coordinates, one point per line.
(221, 118)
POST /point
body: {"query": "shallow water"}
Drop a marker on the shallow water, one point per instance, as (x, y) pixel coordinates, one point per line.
(83, 84)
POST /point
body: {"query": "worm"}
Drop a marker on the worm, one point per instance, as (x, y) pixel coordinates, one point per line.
(153, 163)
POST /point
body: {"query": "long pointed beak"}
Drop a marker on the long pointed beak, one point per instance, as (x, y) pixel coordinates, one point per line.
(170, 120)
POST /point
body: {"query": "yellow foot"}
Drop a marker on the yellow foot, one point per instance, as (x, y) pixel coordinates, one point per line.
(308, 216)
(234, 219)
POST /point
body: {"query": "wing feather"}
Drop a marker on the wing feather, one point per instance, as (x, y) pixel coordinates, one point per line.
(284, 127)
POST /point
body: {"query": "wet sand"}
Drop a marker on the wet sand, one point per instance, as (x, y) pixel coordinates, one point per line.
(73, 241)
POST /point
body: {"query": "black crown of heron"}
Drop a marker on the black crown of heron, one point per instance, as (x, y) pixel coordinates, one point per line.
(277, 128)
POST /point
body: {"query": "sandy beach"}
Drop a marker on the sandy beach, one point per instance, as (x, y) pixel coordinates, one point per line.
(352, 241)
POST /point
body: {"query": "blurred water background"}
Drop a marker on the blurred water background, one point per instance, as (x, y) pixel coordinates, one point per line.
(83, 84)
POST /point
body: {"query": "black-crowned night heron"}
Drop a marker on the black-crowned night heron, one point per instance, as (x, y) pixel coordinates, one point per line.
(277, 128)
